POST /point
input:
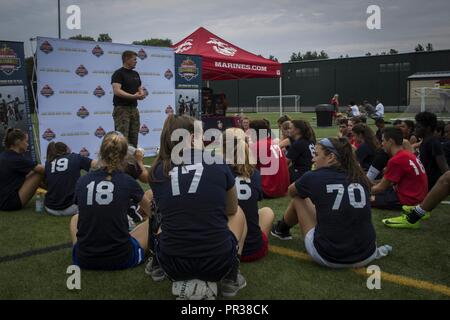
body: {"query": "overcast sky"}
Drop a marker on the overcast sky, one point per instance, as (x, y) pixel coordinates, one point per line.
(277, 27)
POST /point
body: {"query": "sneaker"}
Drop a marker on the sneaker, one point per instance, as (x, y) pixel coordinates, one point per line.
(408, 209)
(154, 270)
(400, 222)
(280, 235)
(229, 287)
(194, 290)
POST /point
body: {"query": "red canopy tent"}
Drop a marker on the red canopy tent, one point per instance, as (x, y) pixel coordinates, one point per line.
(225, 61)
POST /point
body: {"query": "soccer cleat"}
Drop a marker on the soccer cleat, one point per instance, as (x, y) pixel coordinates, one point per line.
(408, 209)
(400, 222)
(154, 270)
(279, 234)
(194, 290)
(229, 287)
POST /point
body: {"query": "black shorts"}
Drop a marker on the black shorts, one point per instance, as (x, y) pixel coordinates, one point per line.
(387, 200)
(13, 203)
(209, 268)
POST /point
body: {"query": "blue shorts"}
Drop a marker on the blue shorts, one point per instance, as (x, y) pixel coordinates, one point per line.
(137, 258)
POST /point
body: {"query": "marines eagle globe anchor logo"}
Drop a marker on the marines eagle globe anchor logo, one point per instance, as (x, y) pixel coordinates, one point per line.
(185, 46)
(221, 47)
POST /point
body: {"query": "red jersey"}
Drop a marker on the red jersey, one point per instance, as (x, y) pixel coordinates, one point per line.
(409, 177)
(273, 166)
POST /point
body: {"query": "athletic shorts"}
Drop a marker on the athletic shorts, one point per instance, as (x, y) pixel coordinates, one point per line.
(209, 268)
(387, 200)
(312, 251)
(261, 253)
(13, 203)
(137, 258)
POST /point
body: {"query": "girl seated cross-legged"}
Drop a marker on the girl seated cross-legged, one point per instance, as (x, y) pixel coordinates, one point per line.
(202, 229)
(100, 230)
(332, 207)
(249, 192)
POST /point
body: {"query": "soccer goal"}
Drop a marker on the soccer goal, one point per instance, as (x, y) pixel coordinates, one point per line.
(289, 103)
(435, 100)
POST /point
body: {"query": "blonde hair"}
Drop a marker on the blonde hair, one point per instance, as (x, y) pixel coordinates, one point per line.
(236, 138)
(113, 152)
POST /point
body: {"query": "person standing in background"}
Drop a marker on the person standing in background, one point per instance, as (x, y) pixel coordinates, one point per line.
(127, 88)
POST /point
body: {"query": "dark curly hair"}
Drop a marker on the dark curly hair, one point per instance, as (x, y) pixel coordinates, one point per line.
(427, 120)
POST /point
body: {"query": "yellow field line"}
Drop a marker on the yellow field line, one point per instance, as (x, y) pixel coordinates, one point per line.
(394, 278)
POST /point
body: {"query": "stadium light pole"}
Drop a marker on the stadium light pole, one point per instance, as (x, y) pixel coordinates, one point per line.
(59, 19)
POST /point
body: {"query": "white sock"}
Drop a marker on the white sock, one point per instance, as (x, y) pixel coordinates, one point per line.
(420, 211)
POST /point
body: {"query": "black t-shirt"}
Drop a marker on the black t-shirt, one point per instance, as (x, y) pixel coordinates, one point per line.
(249, 192)
(62, 174)
(13, 169)
(103, 238)
(429, 150)
(301, 153)
(344, 232)
(130, 81)
(379, 135)
(192, 202)
(365, 156)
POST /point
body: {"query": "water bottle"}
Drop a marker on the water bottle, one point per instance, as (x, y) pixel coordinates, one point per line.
(383, 251)
(39, 204)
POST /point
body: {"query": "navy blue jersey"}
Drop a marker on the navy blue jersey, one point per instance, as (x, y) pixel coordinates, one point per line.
(344, 232)
(429, 149)
(103, 237)
(13, 169)
(301, 153)
(192, 203)
(62, 174)
(249, 191)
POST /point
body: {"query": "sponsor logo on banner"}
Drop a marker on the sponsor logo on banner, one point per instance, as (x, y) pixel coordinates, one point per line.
(142, 55)
(47, 91)
(162, 92)
(188, 70)
(157, 130)
(9, 62)
(99, 92)
(81, 71)
(185, 46)
(169, 109)
(97, 51)
(144, 130)
(168, 74)
(221, 47)
(155, 55)
(83, 112)
(100, 132)
(48, 135)
(84, 152)
(46, 47)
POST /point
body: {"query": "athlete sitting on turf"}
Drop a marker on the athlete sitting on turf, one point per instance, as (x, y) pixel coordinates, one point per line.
(331, 205)
(20, 177)
(200, 220)
(62, 171)
(413, 214)
(367, 145)
(249, 192)
(100, 230)
(301, 150)
(404, 181)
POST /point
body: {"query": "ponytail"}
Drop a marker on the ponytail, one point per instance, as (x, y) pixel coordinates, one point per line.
(12, 135)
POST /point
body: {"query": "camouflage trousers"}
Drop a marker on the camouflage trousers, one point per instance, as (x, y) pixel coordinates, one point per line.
(127, 121)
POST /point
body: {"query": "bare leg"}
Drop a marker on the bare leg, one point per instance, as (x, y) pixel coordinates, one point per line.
(29, 187)
(140, 233)
(145, 203)
(74, 228)
(266, 217)
(238, 225)
(290, 216)
(439, 192)
(306, 213)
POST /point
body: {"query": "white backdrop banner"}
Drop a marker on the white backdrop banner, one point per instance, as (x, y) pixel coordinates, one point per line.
(75, 94)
